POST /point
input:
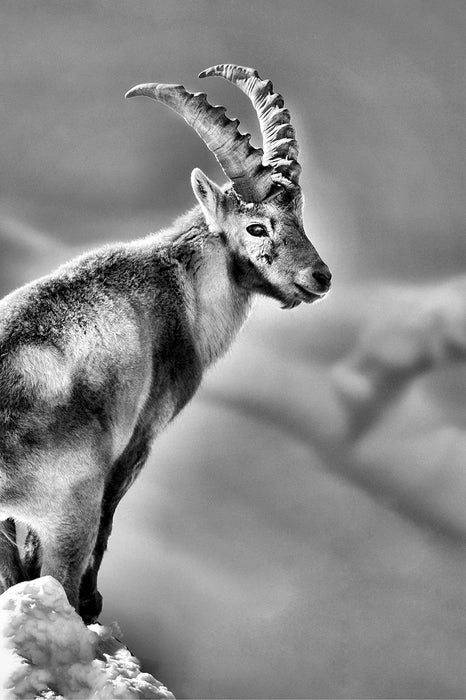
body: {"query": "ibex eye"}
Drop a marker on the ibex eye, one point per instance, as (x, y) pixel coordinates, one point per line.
(256, 230)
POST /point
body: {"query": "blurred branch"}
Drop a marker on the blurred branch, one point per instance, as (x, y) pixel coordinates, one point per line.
(425, 329)
(335, 409)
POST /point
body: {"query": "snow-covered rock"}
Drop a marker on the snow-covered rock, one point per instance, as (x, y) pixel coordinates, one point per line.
(47, 651)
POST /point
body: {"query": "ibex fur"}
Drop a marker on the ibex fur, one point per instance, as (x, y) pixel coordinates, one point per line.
(97, 357)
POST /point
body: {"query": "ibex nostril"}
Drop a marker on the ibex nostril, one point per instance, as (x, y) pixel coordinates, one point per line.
(323, 277)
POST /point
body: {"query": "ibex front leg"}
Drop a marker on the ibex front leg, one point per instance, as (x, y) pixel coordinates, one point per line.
(68, 537)
(124, 472)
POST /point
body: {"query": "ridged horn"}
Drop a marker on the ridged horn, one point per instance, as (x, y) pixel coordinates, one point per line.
(279, 138)
(241, 162)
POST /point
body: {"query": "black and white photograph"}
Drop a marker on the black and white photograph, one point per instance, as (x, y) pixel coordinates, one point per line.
(232, 349)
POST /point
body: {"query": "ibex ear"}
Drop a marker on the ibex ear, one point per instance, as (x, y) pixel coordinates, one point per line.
(209, 196)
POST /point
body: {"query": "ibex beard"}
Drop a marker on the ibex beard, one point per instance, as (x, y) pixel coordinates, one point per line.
(97, 357)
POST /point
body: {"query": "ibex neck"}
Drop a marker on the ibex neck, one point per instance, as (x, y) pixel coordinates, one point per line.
(217, 307)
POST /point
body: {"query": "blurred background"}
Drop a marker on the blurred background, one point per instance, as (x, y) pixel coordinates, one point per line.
(300, 530)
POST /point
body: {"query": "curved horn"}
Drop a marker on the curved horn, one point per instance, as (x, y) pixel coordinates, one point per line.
(279, 139)
(241, 163)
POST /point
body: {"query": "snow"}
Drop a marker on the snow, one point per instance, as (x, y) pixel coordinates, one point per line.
(47, 651)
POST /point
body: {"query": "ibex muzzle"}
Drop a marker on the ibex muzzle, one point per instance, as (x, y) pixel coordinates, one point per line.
(99, 356)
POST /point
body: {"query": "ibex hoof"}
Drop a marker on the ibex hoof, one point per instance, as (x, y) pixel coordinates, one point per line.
(90, 608)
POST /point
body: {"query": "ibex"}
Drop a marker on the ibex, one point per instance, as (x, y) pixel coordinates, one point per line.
(97, 357)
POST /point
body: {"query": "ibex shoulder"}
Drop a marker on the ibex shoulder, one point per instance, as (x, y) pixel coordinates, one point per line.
(75, 295)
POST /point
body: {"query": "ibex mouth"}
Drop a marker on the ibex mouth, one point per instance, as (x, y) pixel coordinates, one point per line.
(306, 295)
(291, 303)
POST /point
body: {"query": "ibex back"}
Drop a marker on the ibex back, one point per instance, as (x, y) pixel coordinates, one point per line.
(97, 357)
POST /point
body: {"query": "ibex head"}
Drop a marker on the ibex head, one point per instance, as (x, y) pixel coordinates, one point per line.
(259, 213)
